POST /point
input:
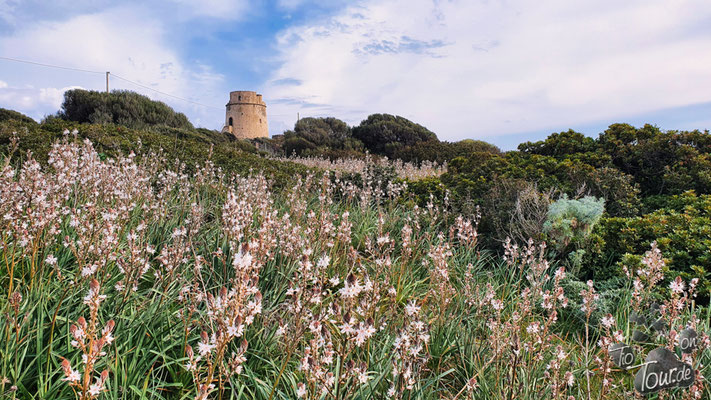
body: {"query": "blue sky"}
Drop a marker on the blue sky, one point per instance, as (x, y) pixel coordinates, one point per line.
(502, 71)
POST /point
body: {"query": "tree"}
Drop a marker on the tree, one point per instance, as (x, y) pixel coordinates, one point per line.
(121, 107)
(327, 137)
(386, 134)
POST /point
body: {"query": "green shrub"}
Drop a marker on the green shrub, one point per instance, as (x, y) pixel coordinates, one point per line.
(682, 231)
(6, 115)
(119, 107)
(386, 134)
(568, 225)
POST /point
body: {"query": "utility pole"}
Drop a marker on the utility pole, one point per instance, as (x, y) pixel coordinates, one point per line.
(297, 117)
(107, 82)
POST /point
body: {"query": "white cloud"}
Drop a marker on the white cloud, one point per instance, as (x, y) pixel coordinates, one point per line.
(140, 51)
(473, 69)
(35, 102)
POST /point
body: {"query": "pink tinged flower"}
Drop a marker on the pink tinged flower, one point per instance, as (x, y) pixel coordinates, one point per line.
(300, 390)
(677, 285)
(323, 261)
(498, 305)
(570, 378)
(73, 377)
(51, 260)
(619, 336)
(95, 389)
(412, 308)
(205, 348)
(362, 377)
(608, 321)
(235, 330)
(70, 374)
(533, 328)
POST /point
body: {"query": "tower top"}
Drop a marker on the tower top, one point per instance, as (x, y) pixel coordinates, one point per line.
(246, 97)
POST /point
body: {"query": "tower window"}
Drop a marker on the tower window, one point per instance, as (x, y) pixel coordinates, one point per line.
(230, 121)
(239, 98)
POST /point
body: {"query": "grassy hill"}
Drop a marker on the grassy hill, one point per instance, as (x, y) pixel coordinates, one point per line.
(189, 145)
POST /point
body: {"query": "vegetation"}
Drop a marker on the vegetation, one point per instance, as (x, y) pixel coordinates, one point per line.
(329, 137)
(191, 147)
(641, 173)
(383, 135)
(120, 107)
(126, 278)
(141, 257)
(7, 115)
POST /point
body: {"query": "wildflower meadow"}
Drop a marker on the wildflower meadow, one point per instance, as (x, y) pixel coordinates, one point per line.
(129, 278)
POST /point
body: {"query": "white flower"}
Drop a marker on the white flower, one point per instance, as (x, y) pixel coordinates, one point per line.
(300, 390)
(351, 290)
(281, 330)
(95, 389)
(533, 328)
(235, 330)
(362, 377)
(570, 378)
(677, 285)
(412, 308)
(363, 333)
(497, 304)
(205, 348)
(51, 260)
(608, 321)
(73, 376)
(323, 261)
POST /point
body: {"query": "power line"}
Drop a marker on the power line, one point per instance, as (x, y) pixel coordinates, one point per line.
(51, 66)
(114, 75)
(163, 93)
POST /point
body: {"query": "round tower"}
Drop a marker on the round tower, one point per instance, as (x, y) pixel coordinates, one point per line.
(246, 115)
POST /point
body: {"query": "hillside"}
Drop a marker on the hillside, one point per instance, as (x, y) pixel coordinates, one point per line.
(193, 147)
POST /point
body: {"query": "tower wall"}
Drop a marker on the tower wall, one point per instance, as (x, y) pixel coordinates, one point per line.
(249, 115)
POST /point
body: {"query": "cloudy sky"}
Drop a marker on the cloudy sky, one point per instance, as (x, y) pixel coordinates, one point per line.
(503, 71)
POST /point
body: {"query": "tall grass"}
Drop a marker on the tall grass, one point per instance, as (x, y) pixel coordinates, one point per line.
(217, 286)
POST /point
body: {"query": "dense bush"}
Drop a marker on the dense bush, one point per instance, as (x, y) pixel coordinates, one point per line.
(441, 152)
(324, 137)
(119, 107)
(379, 134)
(682, 230)
(386, 134)
(6, 115)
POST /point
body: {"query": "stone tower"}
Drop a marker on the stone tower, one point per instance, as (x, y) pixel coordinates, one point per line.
(246, 116)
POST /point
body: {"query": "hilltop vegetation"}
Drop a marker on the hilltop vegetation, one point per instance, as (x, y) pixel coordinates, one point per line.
(121, 107)
(191, 147)
(380, 134)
